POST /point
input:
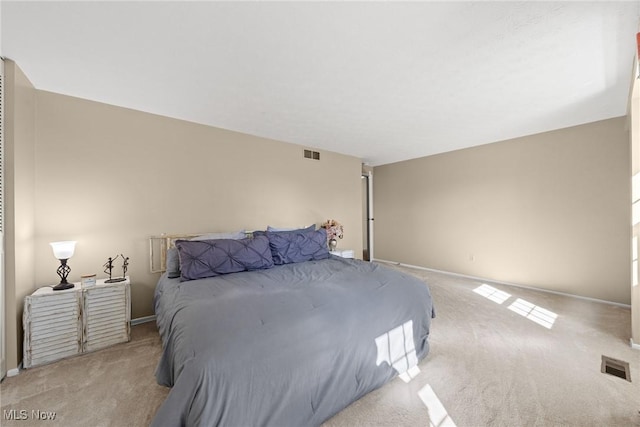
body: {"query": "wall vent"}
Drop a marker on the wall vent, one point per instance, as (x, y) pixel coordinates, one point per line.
(615, 367)
(308, 154)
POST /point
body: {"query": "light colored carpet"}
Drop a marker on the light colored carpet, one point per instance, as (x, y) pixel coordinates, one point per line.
(111, 387)
(488, 366)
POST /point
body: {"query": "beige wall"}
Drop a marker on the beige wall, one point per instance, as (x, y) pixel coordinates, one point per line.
(549, 211)
(20, 103)
(110, 177)
(634, 133)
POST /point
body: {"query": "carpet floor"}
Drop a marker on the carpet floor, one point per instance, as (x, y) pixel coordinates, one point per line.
(500, 356)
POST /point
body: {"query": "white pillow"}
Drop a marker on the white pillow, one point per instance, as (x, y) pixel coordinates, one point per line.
(234, 235)
(310, 227)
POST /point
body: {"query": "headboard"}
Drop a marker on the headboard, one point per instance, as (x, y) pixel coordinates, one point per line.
(159, 245)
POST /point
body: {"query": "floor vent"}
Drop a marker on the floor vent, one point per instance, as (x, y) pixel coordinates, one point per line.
(615, 367)
(308, 154)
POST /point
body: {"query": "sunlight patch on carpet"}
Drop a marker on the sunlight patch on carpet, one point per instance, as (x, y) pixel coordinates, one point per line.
(410, 374)
(536, 314)
(438, 415)
(491, 293)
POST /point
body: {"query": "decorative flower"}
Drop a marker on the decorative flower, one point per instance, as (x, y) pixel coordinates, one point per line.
(334, 229)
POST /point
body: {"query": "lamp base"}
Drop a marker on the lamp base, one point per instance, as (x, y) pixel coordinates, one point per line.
(116, 280)
(62, 286)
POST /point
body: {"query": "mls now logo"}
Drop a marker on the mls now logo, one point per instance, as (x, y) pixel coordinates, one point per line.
(23, 414)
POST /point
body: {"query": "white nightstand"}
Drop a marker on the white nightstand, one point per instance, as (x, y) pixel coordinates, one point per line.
(345, 253)
(59, 324)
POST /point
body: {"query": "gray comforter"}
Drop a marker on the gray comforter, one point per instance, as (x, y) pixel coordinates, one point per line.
(287, 346)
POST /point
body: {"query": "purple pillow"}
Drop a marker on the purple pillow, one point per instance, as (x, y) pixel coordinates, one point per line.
(298, 245)
(208, 258)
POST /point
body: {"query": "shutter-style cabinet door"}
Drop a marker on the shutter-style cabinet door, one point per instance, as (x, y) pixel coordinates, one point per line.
(52, 326)
(106, 315)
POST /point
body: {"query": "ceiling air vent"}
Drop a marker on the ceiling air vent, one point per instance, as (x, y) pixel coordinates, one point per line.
(615, 367)
(308, 154)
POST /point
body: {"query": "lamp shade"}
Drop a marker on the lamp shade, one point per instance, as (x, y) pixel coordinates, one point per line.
(63, 250)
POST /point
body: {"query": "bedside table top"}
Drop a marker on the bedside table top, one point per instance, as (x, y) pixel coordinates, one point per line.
(344, 253)
(100, 283)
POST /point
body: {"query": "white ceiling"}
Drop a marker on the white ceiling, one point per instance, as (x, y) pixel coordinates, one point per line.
(383, 81)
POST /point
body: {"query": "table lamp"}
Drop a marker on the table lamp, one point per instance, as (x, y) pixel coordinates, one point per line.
(63, 251)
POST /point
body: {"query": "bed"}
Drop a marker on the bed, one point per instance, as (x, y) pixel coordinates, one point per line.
(290, 344)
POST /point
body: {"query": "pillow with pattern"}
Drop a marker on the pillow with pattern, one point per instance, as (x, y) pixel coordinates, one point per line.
(297, 246)
(173, 261)
(208, 258)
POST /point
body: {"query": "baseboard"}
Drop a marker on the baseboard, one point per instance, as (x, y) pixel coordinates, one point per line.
(483, 279)
(634, 345)
(15, 371)
(141, 320)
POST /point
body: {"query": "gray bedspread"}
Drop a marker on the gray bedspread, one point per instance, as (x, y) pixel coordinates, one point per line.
(287, 346)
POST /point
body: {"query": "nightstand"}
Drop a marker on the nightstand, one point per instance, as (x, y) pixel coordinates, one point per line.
(59, 324)
(345, 253)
